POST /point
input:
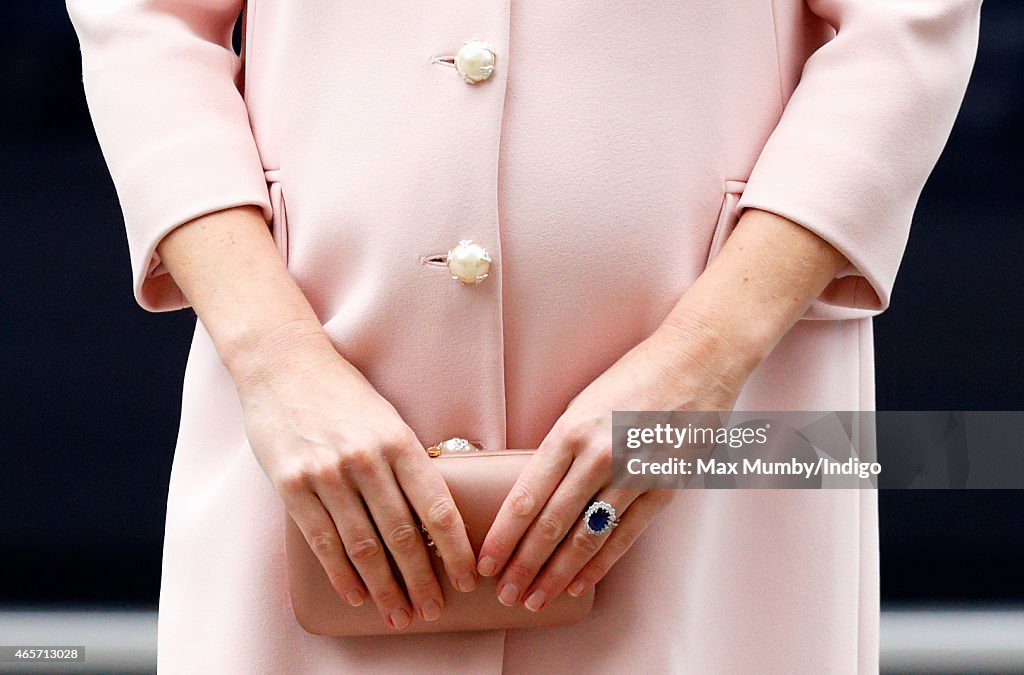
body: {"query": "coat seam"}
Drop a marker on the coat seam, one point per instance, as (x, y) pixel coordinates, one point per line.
(249, 26)
(498, 221)
(778, 56)
(501, 263)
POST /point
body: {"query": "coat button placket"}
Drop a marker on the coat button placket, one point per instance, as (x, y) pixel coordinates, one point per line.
(473, 303)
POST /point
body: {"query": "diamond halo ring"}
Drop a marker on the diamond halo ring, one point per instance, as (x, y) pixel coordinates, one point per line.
(600, 518)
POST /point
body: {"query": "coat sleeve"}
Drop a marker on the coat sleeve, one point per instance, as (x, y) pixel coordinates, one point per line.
(161, 83)
(862, 131)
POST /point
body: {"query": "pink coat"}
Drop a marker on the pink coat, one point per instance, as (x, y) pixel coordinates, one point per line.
(602, 162)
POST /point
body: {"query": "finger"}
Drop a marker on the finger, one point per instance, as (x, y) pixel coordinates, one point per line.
(423, 484)
(318, 528)
(402, 536)
(580, 547)
(641, 512)
(365, 550)
(561, 514)
(527, 497)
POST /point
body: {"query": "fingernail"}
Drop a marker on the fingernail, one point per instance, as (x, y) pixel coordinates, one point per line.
(576, 589)
(466, 582)
(487, 566)
(431, 610)
(536, 599)
(400, 617)
(355, 598)
(508, 594)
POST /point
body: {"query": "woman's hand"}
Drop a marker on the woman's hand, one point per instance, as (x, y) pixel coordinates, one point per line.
(572, 466)
(329, 442)
(339, 455)
(763, 280)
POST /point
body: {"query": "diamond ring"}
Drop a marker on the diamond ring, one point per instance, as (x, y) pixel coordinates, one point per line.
(600, 518)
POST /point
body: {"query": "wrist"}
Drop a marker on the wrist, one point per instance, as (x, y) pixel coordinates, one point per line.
(252, 356)
(727, 348)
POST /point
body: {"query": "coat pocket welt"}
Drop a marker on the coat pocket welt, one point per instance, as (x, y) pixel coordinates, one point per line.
(279, 223)
(727, 216)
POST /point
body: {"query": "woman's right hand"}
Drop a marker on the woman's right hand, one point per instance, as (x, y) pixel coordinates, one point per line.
(343, 460)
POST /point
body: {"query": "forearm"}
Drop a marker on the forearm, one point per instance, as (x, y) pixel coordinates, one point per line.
(229, 268)
(765, 277)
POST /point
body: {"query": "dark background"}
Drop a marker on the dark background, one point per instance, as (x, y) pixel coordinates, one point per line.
(90, 391)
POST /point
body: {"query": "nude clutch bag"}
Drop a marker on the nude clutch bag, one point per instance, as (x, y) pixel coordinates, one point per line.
(479, 481)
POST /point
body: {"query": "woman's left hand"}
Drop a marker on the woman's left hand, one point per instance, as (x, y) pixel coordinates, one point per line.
(725, 324)
(538, 541)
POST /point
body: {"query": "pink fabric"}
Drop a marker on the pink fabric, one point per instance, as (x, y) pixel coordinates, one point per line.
(613, 144)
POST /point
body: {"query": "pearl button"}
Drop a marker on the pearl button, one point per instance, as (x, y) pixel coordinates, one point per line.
(475, 61)
(469, 262)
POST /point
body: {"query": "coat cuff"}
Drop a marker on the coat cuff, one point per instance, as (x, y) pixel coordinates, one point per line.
(175, 182)
(861, 133)
(861, 288)
(163, 85)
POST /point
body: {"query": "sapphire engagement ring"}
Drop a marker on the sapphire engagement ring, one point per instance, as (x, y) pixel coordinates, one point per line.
(600, 518)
